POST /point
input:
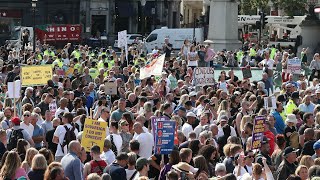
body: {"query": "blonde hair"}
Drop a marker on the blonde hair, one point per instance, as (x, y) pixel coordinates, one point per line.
(93, 176)
(183, 99)
(223, 106)
(50, 167)
(299, 169)
(226, 149)
(11, 164)
(31, 152)
(39, 162)
(178, 120)
(244, 120)
(317, 118)
(307, 161)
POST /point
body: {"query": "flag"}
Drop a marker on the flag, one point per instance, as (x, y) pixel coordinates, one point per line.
(155, 68)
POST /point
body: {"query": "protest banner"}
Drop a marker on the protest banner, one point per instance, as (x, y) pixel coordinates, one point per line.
(14, 89)
(122, 39)
(246, 72)
(35, 75)
(270, 102)
(294, 66)
(258, 131)
(203, 76)
(110, 88)
(94, 133)
(164, 137)
(155, 68)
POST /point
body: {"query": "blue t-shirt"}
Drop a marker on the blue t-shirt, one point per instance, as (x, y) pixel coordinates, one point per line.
(38, 131)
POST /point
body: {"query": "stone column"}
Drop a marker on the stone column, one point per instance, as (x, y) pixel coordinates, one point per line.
(310, 37)
(223, 25)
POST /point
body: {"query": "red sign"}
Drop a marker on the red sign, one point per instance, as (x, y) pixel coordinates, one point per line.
(66, 32)
(10, 13)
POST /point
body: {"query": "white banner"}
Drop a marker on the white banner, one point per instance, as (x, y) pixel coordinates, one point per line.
(122, 39)
(294, 66)
(203, 76)
(155, 68)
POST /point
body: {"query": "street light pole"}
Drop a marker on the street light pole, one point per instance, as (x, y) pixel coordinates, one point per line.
(143, 3)
(34, 5)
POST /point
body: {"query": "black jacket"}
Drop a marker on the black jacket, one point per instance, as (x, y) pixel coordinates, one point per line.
(285, 170)
(116, 171)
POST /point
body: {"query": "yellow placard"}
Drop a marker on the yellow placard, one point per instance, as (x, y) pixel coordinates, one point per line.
(35, 75)
(94, 133)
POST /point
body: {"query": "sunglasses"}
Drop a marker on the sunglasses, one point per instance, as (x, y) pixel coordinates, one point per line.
(125, 125)
(26, 115)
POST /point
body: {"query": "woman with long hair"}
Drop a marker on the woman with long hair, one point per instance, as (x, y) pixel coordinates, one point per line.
(315, 67)
(49, 169)
(302, 172)
(174, 159)
(38, 167)
(192, 57)
(203, 172)
(47, 154)
(11, 168)
(124, 132)
(22, 147)
(194, 145)
(210, 153)
(26, 164)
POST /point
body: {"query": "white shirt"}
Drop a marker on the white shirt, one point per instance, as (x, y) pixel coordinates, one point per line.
(61, 132)
(268, 62)
(186, 129)
(198, 130)
(220, 132)
(29, 128)
(108, 156)
(242, 171)
(59, 111)
(130, 173)
(117, 140)
(146, 144)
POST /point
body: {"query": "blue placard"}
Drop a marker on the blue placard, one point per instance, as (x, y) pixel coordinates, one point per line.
(164, 137)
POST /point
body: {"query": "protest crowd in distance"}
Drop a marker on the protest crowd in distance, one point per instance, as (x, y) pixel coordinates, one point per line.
(86, 113)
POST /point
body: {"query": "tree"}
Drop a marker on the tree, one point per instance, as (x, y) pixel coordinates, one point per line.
(291, 7)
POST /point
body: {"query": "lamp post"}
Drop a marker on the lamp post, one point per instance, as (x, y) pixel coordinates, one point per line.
(143, 3)
(34, 5)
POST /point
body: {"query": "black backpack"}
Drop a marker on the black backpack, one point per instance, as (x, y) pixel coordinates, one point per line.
(113, 146)
(68, 137)
(14, 137)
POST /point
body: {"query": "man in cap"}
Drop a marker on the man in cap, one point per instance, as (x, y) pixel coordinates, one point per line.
(117, 168)
(264, 153)
(13, 134)
(288, 165)
(187, 126)
(316, 148)
(142, 167)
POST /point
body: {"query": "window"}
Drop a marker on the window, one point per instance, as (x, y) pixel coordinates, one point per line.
(152, 37)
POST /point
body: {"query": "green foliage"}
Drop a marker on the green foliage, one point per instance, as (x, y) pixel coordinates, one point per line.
(246, 8)
(291, 7)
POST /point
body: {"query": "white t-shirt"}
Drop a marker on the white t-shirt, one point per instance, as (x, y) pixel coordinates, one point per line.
(61, 132)
(59, 111)
(117, 139)
(29, 128)
(108, 156)
(242, 171)
(146, 144)
(130, 173)
(269, 62)
(221, 133)
(186, 129)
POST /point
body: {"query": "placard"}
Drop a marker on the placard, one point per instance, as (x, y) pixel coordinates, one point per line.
(294, 66)
(14, 89)
(122, 39)
(258, 131)
(164, 137)
(203, 76)
(110, 88)
(246, 73)
(35, 75)
(270, 102)
(94, 133)
(155, 68)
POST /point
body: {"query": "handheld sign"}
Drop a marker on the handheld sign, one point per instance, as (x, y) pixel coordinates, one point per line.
(110, 88)
(35, 75)
(94, 133)
(164, 137)
(203, 76)
(246, 72)
(14, 89)
(294, 66)
(258, 131)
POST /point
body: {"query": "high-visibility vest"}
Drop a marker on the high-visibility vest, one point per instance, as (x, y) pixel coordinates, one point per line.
(76, 54)
(252, 52)
(101, 64)
(290, 107)
(239, 55)
(273, 53)
(110, 64)
(59, 62)
(93, 72)
(39, 57)
(46, 52)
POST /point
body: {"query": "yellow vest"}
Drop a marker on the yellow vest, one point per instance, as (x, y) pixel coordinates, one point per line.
(46, 52)
(252, 52)
(76, 54)
(290, 107)
(77, 66)
(273, 53)
(110, 64)
(239, 55)
(59, 62)
(93, 72)
(101, 64)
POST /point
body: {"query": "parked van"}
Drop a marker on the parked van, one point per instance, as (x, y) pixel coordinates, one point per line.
(176, 37)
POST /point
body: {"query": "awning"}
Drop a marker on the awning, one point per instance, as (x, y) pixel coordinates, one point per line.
(125, 9)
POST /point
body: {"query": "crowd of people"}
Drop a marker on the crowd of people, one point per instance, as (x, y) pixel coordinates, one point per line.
(41, 132)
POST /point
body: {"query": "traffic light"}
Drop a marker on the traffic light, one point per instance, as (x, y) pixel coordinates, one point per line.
(258, 25)
(202, 20)
(197, 23)
(263, 19)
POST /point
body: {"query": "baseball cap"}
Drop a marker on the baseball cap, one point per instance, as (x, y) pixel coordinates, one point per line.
(142, 162)
(289, 150)
(15, 120)
(223, 118)
(192, 93)
(191, 114)
(316, 145)
(265, 140)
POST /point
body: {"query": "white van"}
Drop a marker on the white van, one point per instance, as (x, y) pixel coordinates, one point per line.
(176, 37)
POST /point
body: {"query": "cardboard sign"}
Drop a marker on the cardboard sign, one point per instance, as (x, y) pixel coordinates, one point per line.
(294, 66)
(35, 75)
(258, 131)
(122, 39)
(164, 137)
(270, 102)
(246, 73)
(94, 133)
(155, 68)
(14, 89)
(110, 88)
(203, 76)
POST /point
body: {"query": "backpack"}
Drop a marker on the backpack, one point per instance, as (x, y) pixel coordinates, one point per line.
(14, 137)
(68, 137)
(113, 146)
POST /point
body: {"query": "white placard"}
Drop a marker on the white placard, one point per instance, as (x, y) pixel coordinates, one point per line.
(122, 39)
(14, 89)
